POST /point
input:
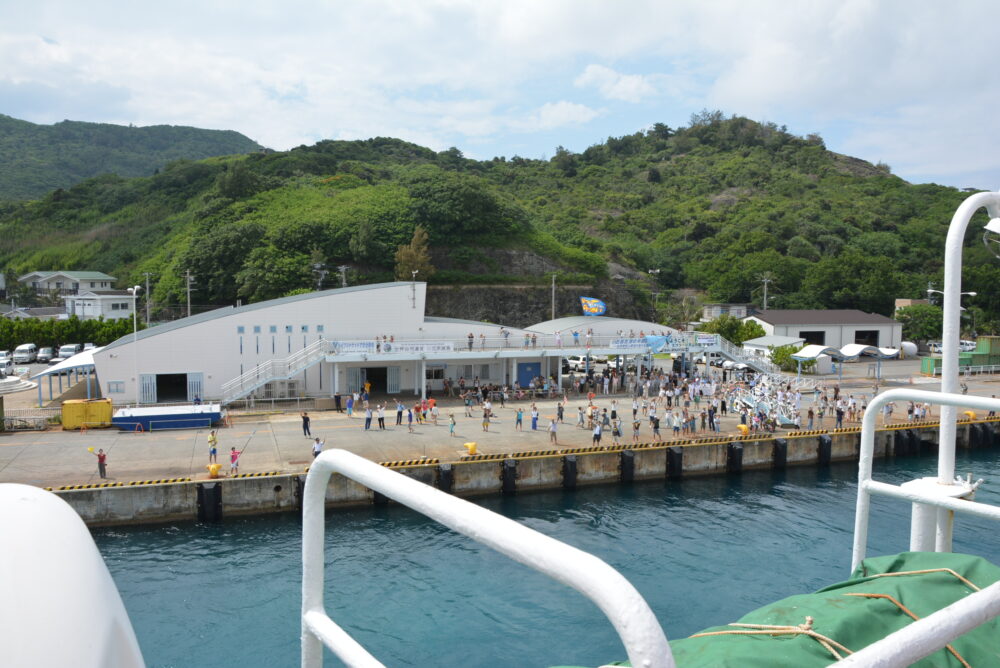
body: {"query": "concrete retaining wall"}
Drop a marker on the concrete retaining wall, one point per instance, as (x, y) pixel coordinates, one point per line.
(148, 503)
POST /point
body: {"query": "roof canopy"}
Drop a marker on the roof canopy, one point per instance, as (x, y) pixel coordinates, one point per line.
(82, 360)
(851, 351)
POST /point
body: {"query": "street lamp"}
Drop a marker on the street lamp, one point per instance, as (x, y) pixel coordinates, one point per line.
(413, 286)
(920, 540)
(134, 291)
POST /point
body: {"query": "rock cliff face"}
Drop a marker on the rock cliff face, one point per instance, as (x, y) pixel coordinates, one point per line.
(524, 305)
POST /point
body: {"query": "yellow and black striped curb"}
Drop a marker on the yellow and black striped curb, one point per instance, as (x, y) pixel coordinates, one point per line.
(100, 485)
(263, 474)
(403, 463)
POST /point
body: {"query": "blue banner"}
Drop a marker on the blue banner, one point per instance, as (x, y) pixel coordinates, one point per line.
(659, 343)
(592, 306)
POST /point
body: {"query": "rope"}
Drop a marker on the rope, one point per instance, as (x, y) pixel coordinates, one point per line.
(913, 616)
(929, 570)
(801, 629)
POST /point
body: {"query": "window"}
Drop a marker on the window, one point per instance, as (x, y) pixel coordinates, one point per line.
(115, 306)
(123, 306)
(484, 370)
(76, 286)
(273, 329)
(116, 387)
(435, 374)
(240, 329)
(288, 329)
(305, 329)
(92, 284)
(319, 328)
(256, 329)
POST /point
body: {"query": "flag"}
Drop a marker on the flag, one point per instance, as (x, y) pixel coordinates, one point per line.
(592, 306)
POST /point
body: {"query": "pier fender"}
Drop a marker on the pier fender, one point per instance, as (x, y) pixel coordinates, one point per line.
(627, 466)
(299, 489)
(508, 477)
(734, 458)
(569, 472)
(901, 443)
(979, 436)
(675, 463)
(824, 449)
(779, 454)
(445, 478)
(209, 502)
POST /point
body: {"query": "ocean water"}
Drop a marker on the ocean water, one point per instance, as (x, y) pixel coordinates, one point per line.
(701, 551)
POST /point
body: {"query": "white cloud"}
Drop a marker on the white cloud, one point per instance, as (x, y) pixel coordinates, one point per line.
(555, 115)
(614, 85)
(446, 72)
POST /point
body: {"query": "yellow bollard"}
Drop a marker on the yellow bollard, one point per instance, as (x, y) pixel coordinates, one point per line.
(471, 447)
(970, 414)
(744, 430)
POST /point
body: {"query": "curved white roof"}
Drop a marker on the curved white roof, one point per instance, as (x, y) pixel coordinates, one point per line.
(602, 325)
(851, 351)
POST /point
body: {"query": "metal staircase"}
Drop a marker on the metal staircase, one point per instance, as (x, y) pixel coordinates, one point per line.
(272, 370)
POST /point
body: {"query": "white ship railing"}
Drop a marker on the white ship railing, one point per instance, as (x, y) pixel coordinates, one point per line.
(933, 508)
(637, 627)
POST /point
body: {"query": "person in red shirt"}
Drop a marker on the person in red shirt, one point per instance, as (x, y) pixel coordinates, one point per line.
(102, 463)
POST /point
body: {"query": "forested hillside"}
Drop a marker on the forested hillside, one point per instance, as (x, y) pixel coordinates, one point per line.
(715, 206)
(36, 159)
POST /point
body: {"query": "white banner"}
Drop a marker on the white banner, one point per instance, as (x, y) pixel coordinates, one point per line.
(418, 347)
(636, 342)
(354, 346)
(706, 339)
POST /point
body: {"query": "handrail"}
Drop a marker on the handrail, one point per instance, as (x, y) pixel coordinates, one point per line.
(644, 640)
(867, 487)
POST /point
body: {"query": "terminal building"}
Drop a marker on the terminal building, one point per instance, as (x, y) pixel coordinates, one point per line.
(831, 328)
(334, 341)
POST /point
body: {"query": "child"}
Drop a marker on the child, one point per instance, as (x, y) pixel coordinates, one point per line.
(213, 442)
(451, 424)
(519, 421)
(409, 419)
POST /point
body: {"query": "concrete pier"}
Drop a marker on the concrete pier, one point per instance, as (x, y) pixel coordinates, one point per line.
(178, 499)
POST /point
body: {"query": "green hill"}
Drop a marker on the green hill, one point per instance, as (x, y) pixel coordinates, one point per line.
(713, 206)
(36, 159)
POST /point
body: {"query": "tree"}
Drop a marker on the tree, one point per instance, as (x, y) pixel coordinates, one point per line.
(414, 256)
(782, 357)
(921, 322)
(733, 329)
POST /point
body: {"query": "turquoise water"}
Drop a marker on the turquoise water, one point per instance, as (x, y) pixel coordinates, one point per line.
(701, 551)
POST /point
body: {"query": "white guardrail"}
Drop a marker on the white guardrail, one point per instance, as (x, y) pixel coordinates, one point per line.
(935, 631)
(642, 636)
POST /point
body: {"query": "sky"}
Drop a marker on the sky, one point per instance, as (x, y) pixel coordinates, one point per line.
(914, 84)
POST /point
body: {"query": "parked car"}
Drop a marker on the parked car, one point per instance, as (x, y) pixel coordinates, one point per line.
(966, 346)
(68, 350)
(89, 346)
(6, 361)
(577, 363)
(934, 346)
(26, 353)
(45, 355)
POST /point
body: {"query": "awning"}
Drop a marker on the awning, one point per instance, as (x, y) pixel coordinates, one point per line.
(84, 361)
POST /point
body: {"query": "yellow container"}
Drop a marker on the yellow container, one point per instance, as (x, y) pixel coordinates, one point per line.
(74, 413)
(98, 413)
(79, 413)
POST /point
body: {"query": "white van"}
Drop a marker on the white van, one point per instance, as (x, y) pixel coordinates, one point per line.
(26, 353)
(68, 350)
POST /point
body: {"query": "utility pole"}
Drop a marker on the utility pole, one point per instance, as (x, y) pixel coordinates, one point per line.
(553, 296)
(189, 279)
(413, 287)
(654, 274)
(148, 300)
(343, 275)
(765, 280)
